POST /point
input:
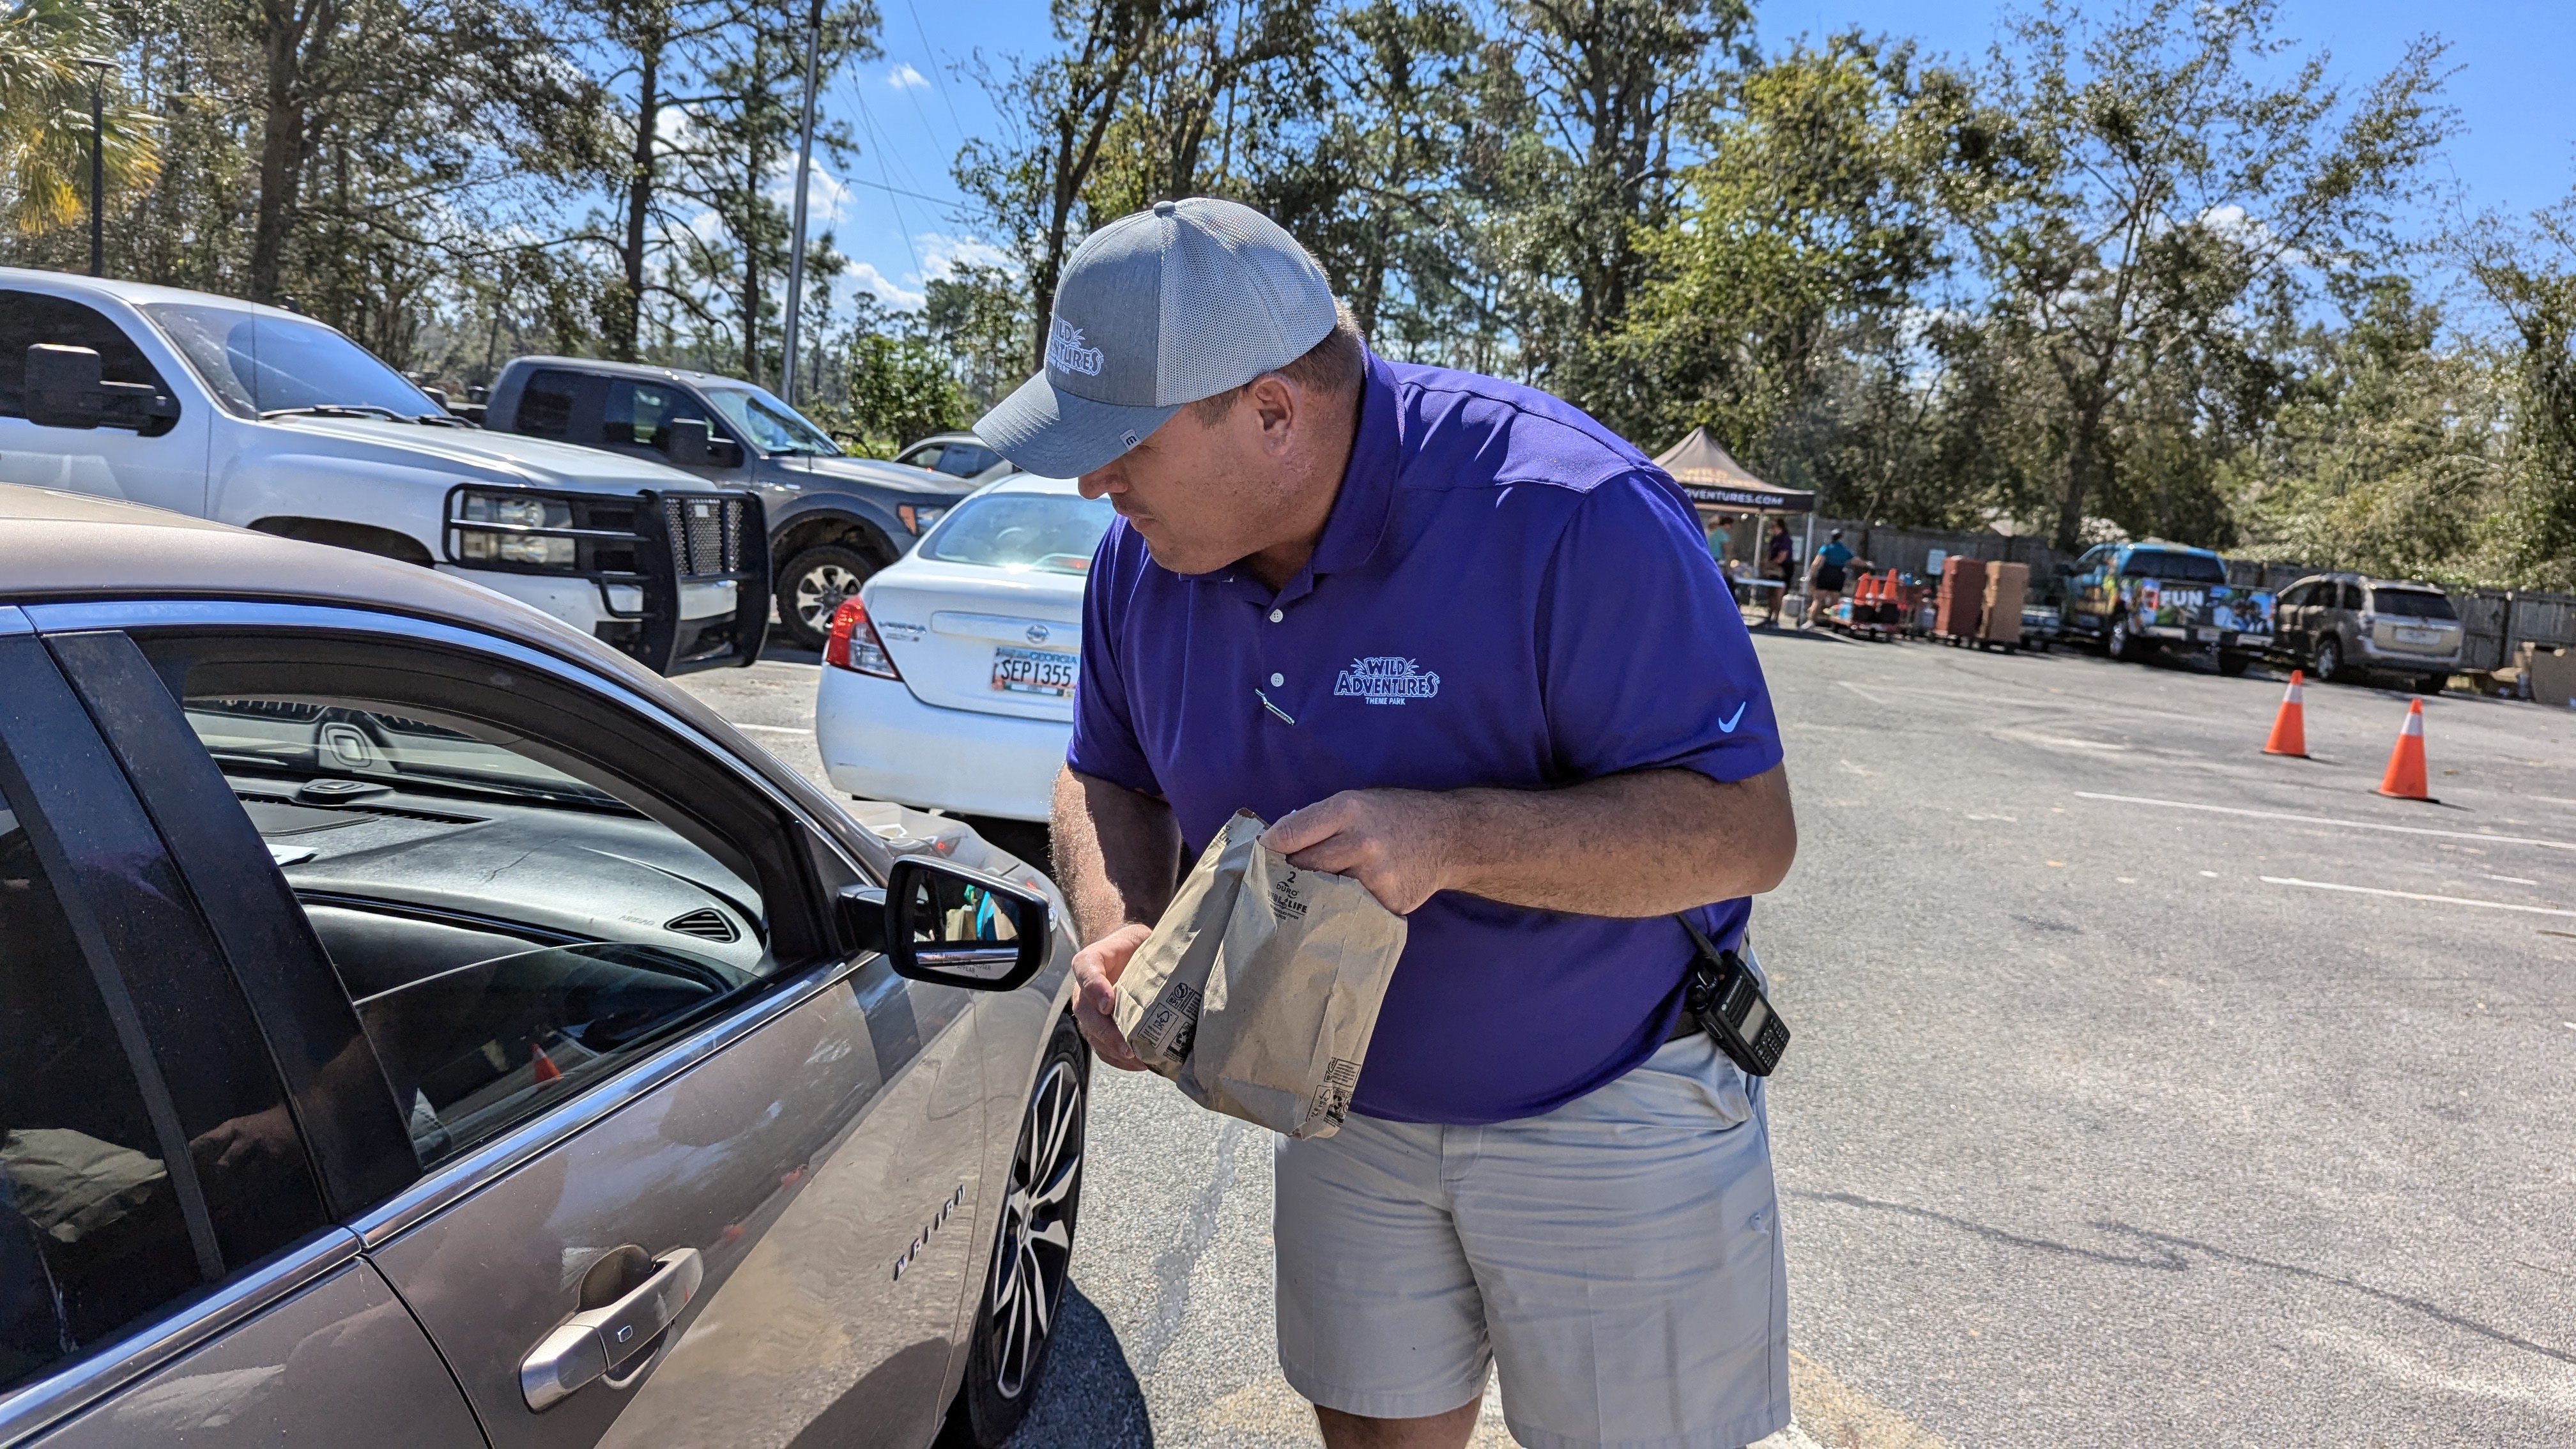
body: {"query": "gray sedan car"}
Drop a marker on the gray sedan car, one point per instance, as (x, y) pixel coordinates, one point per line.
(421, 1026)
(2344, 626)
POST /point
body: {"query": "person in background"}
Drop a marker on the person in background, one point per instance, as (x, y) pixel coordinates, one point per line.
(1779, 561)
(1826, 576)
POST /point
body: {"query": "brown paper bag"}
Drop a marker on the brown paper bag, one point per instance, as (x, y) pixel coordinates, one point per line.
(1260, 987)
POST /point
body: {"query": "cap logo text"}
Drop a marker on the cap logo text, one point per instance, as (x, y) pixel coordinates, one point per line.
(1065, 352)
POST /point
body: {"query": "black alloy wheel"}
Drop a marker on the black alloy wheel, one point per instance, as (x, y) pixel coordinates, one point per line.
(1016, 1315)
(811, 587)
(2329, 660)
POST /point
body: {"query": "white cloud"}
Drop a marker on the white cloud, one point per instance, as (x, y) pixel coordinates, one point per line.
(892, 293)
(903, 77)
(941, 253)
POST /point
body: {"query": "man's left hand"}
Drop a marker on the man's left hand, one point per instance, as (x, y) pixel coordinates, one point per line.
(1398, 843)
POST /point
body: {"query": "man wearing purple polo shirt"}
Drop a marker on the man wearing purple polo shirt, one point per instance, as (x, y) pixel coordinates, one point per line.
(1458, 641)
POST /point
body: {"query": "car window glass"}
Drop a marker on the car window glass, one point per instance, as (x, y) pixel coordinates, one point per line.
(29, 318)
(924, 457)
(772, 426)
(92, 1236)
(545, 404)
(2411, 604)
(2352, 597)
(508, 930)
(1047, 532)
(964, 460)
(257, 363)
(640, 413)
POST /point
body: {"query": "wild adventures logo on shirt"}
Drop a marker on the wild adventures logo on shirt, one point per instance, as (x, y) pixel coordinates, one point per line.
(1386, 679)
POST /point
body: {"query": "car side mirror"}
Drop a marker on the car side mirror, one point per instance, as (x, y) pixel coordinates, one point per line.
(691, 443)
(938, 922)
(64, 386)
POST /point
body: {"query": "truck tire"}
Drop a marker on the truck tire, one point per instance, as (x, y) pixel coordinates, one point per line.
(2233, 664)
(2432, 684)
(2328, 665)
(811, 585)
(2121, 644)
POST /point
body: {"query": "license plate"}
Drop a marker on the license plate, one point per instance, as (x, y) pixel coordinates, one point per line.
(1034, 671)
(2205, 636)
(2418, 636)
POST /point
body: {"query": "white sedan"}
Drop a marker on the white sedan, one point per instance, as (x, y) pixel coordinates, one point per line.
(948, 682)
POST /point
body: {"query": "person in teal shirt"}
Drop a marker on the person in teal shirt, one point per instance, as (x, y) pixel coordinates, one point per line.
(1827, 576)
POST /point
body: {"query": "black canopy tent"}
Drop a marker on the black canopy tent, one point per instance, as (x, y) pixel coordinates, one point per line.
(1718, 485)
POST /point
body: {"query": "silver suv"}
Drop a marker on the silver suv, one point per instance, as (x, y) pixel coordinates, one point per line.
(2342, 626)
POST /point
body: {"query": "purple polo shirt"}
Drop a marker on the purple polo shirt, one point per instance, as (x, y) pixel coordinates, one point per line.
(1506, 594)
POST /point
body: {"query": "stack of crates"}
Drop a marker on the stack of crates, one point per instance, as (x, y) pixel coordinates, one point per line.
(2006, 586)
(1961, 603)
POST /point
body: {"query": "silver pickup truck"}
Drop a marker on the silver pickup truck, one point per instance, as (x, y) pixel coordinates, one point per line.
(259, 417)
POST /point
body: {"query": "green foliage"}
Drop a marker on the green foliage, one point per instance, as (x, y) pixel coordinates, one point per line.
(895, 390)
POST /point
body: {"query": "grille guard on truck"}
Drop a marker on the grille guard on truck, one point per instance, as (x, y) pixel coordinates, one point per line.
(653, 541)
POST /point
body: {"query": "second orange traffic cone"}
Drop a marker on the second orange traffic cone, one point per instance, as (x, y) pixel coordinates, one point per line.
(2405, 777)
(2290, 726)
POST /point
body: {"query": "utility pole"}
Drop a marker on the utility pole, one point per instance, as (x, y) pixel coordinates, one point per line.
(98, 70)
(804, 174)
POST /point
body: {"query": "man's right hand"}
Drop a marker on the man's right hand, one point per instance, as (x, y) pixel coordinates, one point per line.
(1096, 969)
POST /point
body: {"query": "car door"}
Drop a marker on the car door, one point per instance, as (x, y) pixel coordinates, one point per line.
(168, 1270)
(162, 462)
(640, 1081)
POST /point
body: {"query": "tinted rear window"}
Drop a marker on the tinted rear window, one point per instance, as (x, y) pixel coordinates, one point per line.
(2411, 604)
(1048, 532)
(2187, 568)
(545, 405)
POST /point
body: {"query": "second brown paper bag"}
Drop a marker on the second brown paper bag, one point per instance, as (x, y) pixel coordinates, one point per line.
(1258, 990)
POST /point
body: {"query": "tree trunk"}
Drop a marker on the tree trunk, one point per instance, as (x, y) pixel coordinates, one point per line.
(281, 150)
(2083, 470)
(626, 322)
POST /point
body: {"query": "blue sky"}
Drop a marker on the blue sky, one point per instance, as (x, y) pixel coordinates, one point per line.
(2517, 149)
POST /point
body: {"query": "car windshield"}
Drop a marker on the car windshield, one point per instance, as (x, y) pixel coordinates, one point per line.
(2185, 568)
(308, 741)
(1052, 533)
(256, 363)
(772, 426)
(2411, 604)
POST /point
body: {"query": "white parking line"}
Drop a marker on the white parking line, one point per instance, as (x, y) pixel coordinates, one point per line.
(1863, 693)
(2319, 885)
(2328, 820)
(773, 729)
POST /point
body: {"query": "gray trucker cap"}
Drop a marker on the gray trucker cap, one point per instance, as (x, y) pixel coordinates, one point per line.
(1156, 310)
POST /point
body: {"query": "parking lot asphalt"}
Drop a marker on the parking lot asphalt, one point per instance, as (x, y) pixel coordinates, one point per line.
(2146, 1089)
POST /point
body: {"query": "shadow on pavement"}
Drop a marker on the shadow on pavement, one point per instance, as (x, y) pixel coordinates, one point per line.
(1089, 1398)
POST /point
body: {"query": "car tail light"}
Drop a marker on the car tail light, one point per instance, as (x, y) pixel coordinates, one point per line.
(854, 644)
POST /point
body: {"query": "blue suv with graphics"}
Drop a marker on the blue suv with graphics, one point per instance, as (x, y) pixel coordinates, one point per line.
(2138, 599)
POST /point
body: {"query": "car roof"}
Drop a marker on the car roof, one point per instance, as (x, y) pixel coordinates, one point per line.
(72, 284)
(651, 370)
(71, 547)
(2161, 546)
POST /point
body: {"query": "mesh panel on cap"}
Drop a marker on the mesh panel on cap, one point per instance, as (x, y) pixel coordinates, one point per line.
(1240, 298)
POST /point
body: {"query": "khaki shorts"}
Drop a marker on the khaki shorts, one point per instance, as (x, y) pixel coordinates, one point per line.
(1619, 1258)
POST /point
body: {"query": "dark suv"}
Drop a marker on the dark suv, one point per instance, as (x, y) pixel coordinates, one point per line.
(833, 519)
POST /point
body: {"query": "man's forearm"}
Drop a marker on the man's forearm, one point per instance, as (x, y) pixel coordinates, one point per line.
(1645, 844)
(1117, 853)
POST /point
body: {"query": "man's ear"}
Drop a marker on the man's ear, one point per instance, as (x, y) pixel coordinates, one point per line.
(1275, 409)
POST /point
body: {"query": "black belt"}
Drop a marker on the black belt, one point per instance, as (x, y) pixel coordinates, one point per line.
(1687, 1025)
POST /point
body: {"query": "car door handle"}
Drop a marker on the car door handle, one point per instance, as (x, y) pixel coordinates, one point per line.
(601, 1341)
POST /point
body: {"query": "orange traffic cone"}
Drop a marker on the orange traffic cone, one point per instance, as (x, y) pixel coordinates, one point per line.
(2405, 777)
(542, 1068)
(2290, 726)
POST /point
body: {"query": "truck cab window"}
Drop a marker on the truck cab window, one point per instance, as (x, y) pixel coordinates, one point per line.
(30, 318)
(639, 414)
(545, 404)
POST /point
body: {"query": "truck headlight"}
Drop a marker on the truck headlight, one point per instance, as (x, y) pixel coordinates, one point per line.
(474, 545)
(511, 509)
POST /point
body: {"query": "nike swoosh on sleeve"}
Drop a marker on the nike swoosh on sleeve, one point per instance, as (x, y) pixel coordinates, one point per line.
(1727, 725)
